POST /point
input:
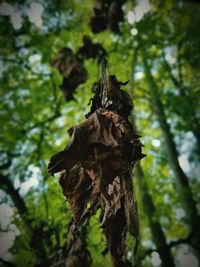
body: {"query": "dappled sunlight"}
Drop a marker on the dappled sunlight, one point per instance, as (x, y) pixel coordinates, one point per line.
(25, 187)
(16, 20)
(170, 58)
(137, 14)
(6, 242)
(34, 58)
(134, 31)
(155, 259)
(185, 258)
(6, 9)
(156, 142)
(184, 163)
(139, 75)
(34, 13)
(10, 231)
(15, 15)
(6, 213)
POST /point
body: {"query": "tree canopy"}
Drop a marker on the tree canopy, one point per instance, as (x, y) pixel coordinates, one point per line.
(153, 44)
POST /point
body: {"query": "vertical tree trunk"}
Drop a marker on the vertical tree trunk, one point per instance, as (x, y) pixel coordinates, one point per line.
(75, 254)
(148, 205)
(183, 187)
(191, 118)
(156, 228)
(19, 203)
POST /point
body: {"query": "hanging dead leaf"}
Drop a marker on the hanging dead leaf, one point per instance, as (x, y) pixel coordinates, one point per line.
(107, 15)
(75, 184)
(96, 170)
(130, 204)
(118, 99)
(72, 71)
(115, 231)
(64, 62)
(77, 76)
(90, 49)
(99, 22)
(116, 15)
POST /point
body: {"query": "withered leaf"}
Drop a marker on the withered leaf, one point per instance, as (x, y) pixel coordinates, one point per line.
(64, 62)
(97, 129)
(96, 100)
(75, 184)
(130, 204)
(107, 15)
(115, 231)
(98, 23)
(118, 100)
(95, 169)
(90, 49)
(116, 15)
(71, 69)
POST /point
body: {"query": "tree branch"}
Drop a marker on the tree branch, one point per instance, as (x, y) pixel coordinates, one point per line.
(168, 68)
(8, 187)
(42, 123)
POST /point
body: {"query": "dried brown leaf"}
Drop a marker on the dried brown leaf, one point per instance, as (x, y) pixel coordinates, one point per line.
(90, 49)
(95, 168)
(115, 231)
(75, 184)
(71, 69)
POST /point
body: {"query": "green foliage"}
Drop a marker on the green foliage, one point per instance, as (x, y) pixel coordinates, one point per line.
(35, 117)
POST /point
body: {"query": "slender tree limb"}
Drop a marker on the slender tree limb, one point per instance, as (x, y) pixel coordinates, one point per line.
(180, 70)
(8, 187)
(168, 68)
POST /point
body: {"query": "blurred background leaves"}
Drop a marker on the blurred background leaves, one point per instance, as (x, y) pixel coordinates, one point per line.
(157, 49)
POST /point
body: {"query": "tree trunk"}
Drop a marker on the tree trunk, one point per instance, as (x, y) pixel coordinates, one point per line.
(183, 188)
(156, 228)
(19, 203)
(148, 205)
(35, 233)
(192, 120)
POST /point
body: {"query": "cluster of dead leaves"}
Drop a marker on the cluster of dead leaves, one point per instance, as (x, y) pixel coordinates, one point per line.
(96, 173)
(71, 65)
(115, 99)
(107, 15)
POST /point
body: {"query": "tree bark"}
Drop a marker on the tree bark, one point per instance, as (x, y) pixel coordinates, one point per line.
(183, 187)
(155, 226)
